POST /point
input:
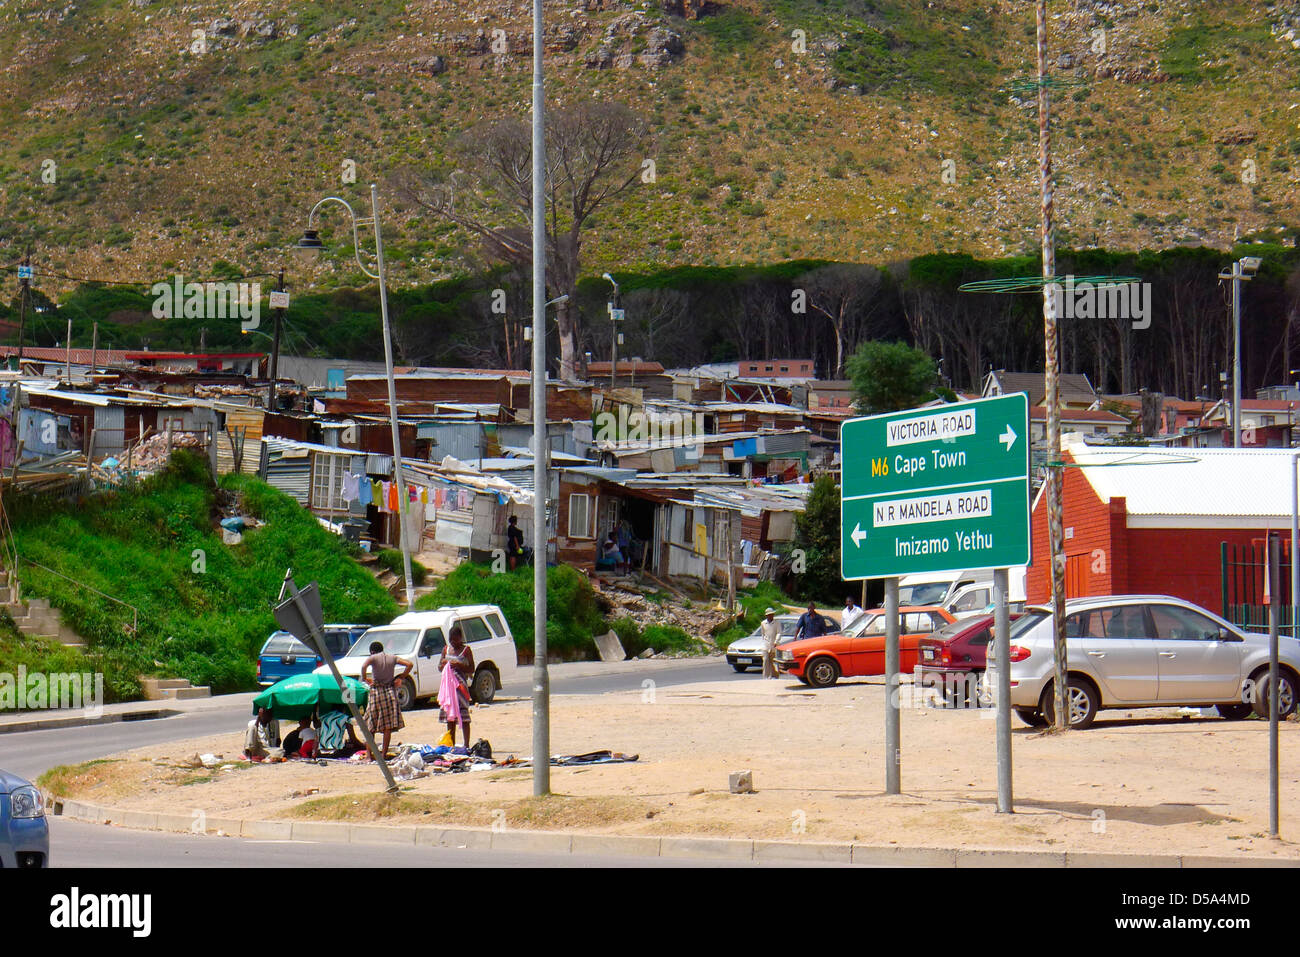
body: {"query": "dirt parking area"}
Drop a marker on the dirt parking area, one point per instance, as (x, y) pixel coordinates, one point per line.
(1136, 782)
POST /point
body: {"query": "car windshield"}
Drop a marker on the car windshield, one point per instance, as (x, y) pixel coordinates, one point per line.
(787, 624)
(867, 625)
(953, 629)
(396, 641)
(1026, 622)
(926, 593)
(283, 643)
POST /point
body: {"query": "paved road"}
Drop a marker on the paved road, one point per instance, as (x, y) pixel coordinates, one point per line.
(77, 844)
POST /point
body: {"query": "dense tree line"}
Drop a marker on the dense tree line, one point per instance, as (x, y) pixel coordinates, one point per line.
(801, 309)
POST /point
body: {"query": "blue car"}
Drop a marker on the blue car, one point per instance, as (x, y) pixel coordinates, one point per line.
(284, 656)
(24, 833)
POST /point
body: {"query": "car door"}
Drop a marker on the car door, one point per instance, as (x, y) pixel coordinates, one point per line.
(1117, 648)
(866, 649)
(1196, 667)
(428, 652)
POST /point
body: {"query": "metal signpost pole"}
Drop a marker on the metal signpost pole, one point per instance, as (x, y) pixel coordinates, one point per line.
(893, 746)
(1274, 611)
(1295, 544)
(541, 448)
(1236, 354)
(1002, 690)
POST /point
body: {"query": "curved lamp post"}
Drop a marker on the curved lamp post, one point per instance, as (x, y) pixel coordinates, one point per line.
(311, 244)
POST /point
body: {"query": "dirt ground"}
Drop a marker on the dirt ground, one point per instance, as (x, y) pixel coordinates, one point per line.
(1136, 782)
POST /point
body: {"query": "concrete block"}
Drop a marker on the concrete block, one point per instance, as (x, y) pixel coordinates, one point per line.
(381, 834)
(706, 847)
(615, 845)
(322, 832)
(453, 837)
(1103, 859)
(974, 858)
(893, 856)
(267, 830)
(541, 842)
(741, 782)
(229, 826)
(128, 818)
(176, 822)
(803, 851)
(1200, 860)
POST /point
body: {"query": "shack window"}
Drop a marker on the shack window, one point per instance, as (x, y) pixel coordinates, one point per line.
(579, 515)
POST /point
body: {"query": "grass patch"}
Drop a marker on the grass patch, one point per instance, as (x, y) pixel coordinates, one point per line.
(204, 607)
(69, 780)
(553, 812)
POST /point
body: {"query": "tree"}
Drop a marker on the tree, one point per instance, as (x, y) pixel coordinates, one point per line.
(848, 294)
(593, 152)
(817, 544)
(889, 376)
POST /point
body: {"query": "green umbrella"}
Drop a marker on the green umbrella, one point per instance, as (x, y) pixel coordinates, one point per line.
(299, 696)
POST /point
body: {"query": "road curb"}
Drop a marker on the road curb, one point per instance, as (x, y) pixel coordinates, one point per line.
(82, 721)
(560, 842)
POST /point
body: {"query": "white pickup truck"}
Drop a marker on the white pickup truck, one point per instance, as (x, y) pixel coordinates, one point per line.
(419, 637)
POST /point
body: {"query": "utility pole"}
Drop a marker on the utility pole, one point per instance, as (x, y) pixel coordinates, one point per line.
(67, 345)
(94, 345)
(541, 448)
(24, 284)
(275, 342)
(203, 339)
(615, 314)
(1055, 471)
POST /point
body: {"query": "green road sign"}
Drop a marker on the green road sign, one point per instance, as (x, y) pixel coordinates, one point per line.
(941, 489)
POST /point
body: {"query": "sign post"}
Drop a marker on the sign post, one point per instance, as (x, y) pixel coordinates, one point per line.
(938, 490)
(300, 614)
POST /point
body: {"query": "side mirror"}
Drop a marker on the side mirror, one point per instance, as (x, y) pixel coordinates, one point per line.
(1226, 635)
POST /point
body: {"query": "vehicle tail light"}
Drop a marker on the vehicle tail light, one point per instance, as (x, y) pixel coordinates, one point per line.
(1019, 653)
(945, 656)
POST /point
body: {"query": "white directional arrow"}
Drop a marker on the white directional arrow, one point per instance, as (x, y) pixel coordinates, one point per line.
(858, 535)
(1008, 438)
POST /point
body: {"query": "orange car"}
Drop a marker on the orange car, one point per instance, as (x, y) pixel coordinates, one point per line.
(861, 650)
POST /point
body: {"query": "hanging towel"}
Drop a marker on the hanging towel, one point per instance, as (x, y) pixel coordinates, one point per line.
(424, 495)
(440, 497)
(390, 495)
(364, 494)
(466, 499)
(385, 493)
(377, 494)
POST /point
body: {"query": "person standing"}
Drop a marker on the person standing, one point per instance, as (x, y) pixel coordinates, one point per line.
(771, 630)
(514, 542)
(457, 667)
(852, 612)
(383, 712)
(810, 623)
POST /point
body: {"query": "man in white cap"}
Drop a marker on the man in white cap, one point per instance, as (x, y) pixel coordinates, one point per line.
(771, 629)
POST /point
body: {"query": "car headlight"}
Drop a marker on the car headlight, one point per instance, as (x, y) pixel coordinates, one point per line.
(785, 654)
(26, 802)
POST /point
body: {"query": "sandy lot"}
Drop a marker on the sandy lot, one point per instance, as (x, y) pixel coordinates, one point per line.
(1136, 782)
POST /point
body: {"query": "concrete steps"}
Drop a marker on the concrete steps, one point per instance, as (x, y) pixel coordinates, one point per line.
(172, 689)
(35, 617)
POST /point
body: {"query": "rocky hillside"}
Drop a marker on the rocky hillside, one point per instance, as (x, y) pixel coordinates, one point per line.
(141, 137)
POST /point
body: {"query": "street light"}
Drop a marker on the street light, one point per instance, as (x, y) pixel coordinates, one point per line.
(528, 330)
(309, 245)
(615, 314)
(1242, 270)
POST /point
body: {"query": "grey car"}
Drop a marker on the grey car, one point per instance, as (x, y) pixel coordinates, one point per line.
(24, 833)
(747, 652)
(1145, 651)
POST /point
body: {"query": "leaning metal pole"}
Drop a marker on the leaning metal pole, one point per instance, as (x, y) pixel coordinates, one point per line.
(1055, 472)
(541, 448)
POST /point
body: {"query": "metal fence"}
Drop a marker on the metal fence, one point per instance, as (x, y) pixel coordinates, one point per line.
(1243, 571)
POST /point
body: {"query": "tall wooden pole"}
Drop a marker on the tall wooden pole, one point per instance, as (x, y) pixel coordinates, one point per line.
(1055, 473)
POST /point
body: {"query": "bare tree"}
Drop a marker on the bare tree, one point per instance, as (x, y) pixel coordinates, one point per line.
(592, 156)
(654, 314)
(848, 295)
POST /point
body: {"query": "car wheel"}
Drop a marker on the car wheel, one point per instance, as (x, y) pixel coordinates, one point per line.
(1286, 694)
(1031, 716)
(484, 688)
(822, 672)
(1083, 700)
(406, 694)
(740, 669)
(1235, 712)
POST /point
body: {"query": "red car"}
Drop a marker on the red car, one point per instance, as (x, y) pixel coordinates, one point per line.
(953, 658)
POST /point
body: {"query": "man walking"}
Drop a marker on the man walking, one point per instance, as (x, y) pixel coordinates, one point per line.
(810, 624)
(771, 630)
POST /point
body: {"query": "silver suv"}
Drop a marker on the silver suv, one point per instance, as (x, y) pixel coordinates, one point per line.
(1145, 651)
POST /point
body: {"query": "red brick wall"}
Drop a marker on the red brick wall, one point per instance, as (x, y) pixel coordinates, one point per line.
(1118, 560)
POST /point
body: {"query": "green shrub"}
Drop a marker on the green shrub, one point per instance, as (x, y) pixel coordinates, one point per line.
(572, 614)
(391, 558)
